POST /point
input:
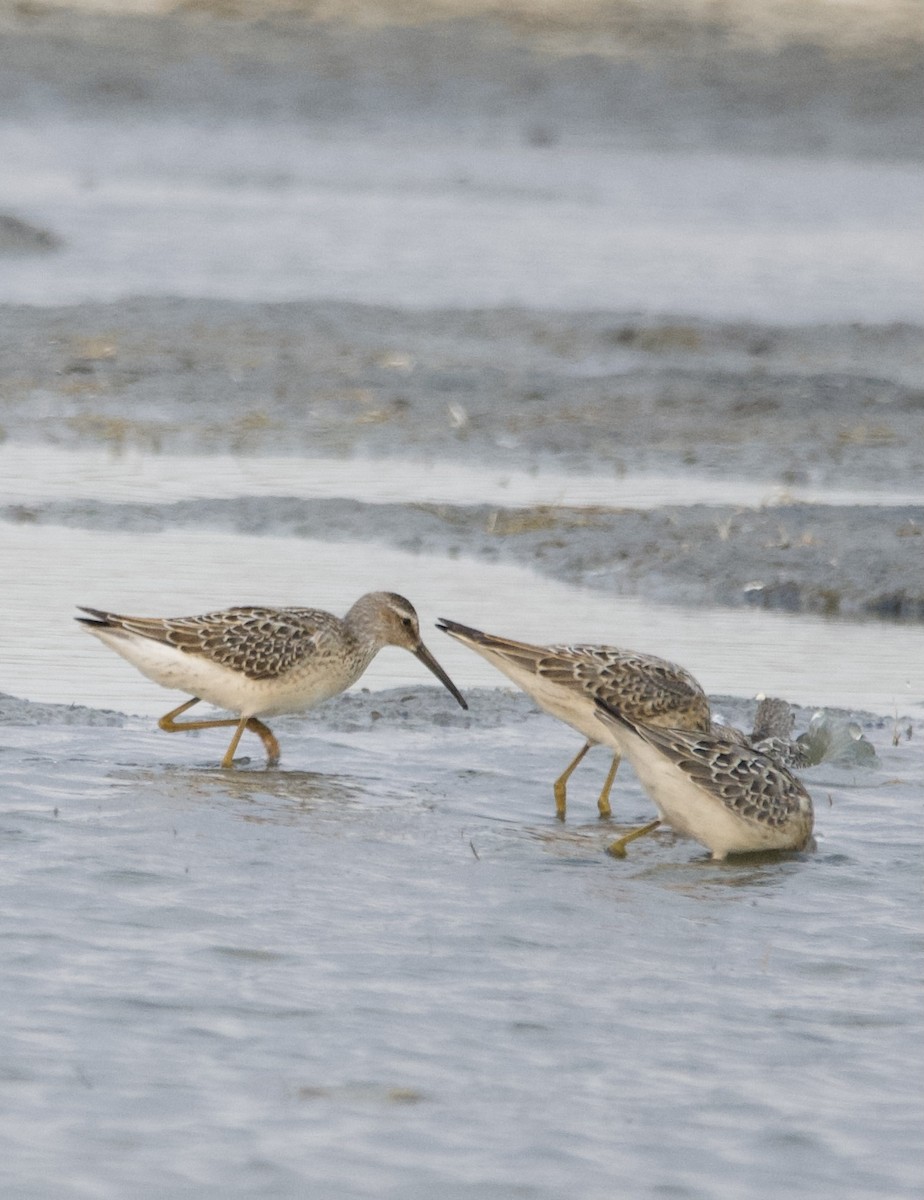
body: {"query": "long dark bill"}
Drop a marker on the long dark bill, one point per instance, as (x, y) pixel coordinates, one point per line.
(429, 661)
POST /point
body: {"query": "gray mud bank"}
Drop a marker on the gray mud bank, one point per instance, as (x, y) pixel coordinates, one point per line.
(422, 708)
(834, 406)
(830, 407)
(834, 561)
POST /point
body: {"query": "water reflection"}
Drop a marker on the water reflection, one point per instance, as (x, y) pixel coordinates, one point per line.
(248, 954)
(261, 796)
(699, 877)
(668, 860)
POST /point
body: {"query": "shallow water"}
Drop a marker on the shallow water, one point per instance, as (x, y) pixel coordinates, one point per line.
(32, 473)
(396, 974)
(249, 211)
(810, 660)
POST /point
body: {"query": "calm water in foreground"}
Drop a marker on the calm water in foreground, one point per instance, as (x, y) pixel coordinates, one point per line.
(387, 971)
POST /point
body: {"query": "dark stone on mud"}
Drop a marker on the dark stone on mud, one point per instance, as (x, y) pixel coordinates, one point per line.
(897, 606)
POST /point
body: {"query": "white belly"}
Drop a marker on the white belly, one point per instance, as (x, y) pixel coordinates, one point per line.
(567, 704)
(297, 691)
(695, 812)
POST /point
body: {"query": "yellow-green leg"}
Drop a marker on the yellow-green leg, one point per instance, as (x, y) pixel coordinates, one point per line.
(603, 804)
(169, 724)
(618, 848)
(559, 787)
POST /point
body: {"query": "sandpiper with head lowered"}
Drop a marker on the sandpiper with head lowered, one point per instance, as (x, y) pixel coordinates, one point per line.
(260, 662)
(567, 682)
(725, 794)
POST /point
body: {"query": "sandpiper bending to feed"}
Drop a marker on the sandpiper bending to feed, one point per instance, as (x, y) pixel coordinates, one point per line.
(567, 682)
(730, 797)
(260, 662)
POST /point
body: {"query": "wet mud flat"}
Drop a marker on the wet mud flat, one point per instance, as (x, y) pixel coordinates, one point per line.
(817, 559)
(837, 408)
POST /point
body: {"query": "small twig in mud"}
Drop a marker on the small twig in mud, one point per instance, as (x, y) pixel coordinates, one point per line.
(898, 731)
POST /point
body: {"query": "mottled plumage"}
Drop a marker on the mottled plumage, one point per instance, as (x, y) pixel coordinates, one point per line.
(731, 798)
(259, 661)
(567, 682)
(261, 643)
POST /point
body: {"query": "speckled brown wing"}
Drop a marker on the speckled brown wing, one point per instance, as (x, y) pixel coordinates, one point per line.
(261, 643)
(642, 686)
(748, 782)
(788, 753)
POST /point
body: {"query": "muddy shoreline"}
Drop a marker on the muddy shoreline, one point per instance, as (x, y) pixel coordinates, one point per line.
(834, 406)
(425, 707)
(833, 561)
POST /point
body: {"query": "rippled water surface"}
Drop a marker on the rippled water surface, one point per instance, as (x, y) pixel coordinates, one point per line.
(395, 974)
(385, 969)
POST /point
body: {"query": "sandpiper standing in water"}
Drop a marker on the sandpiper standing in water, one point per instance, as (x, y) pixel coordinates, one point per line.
(260, 662)
(567, 682)
(728, 796)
